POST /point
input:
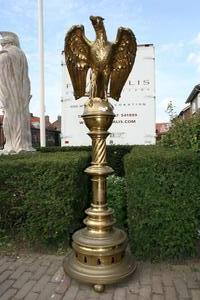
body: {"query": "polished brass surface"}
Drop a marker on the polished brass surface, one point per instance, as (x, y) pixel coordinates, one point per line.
(99, 288)
(107, 61)
(99, 253)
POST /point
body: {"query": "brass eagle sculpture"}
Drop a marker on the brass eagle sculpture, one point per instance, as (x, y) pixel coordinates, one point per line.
(110, 63)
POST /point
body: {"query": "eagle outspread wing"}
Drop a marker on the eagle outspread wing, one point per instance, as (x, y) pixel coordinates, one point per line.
(77, 51)
(124, 52)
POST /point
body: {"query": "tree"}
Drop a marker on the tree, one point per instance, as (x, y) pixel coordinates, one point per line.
(171, 111)
(183, 134)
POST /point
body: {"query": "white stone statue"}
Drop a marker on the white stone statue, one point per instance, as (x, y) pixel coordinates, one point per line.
(14, 95)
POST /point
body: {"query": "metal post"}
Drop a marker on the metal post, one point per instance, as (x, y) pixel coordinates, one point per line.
(100, 253)
(41, 73)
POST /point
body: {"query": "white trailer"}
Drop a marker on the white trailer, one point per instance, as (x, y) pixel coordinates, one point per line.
(134, 121)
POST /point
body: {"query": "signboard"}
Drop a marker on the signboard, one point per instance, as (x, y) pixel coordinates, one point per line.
(134, 121)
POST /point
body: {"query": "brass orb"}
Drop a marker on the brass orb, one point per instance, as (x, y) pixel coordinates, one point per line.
(99, 288)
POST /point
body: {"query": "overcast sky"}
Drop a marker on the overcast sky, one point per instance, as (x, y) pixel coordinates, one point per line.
(173, 26)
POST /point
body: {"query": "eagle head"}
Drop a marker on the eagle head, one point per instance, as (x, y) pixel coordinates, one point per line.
(97, 21)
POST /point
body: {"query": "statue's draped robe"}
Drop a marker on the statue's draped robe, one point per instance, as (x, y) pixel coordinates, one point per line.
(14, 99)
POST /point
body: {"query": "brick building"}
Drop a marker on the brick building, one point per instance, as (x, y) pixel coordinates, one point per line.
(193, 103)
(161, 129)
(52, 131)
(185, 112)
(194, 99)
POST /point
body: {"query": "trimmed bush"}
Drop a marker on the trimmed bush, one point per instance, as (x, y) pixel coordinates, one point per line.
(116, 194)
(115, 154)
(163, 194)
(43, 195)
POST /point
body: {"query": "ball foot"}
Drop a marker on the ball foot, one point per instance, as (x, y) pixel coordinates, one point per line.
(99, 288)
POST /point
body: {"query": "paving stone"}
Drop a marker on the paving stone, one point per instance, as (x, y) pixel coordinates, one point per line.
(63, 285)
(192, 281)
(157, 285)
(31, 259)
(3, 260)
(145, 291)
(145, 277)
(4, 267)
(136, 275)
(119, 294)
(81, 295)
(53, 268)
(143, 297)
(180, 268)
(181, 288)
(25, 289)
(9, 294)
(5, 275)
(19, 271)
(5, 286)
(131, 296)
(156, 269)
(22, 280)
(40, 285)
(15, 264)
(48, 292)
(105, 296)
(39, 272)
(150, 282)
(31, 296)
(84, 286)
(158, 297)
(57, 277)
(195, 294)
(46, 261)
(198, 276)
(134, 287)
(92, 295)
(11, 259)
(33, 267)
(71, 292)
(56, 297)
(74, 282)
(109, 289)
(121, 284)
(167, 278)
(170, 293)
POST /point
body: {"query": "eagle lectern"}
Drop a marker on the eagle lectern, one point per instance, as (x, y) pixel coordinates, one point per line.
(99, 254)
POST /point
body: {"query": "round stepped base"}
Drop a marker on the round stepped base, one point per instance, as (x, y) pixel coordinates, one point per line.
(99, 260)
(100, 275)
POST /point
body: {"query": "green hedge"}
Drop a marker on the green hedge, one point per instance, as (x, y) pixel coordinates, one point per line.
(163, 194)
(41, 197)
(116, 196)
(115, 154)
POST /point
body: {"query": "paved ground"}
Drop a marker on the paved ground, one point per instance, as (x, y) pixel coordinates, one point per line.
(41, 277)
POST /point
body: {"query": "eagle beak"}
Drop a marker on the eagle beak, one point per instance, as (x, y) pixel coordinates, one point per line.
(96, 20)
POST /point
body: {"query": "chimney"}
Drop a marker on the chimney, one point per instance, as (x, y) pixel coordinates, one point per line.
(59, 119)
